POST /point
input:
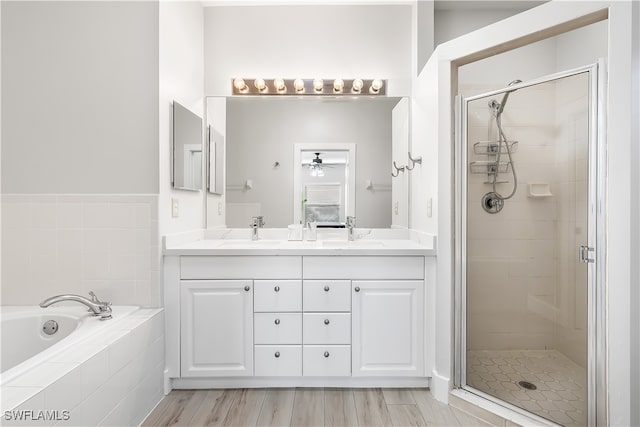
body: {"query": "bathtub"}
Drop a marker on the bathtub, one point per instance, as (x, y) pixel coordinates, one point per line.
(88, 372)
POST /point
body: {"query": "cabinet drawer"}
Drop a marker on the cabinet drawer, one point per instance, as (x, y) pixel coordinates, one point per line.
(277, 328)
(363, 267)
(326, 360)
(278, 361)
(327, 295)
(277, 295)
(327, 328)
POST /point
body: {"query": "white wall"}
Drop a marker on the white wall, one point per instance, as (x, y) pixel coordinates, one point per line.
(261, 132)
(435, 81)
(308, 42)
(181, 79)
(80, 150)
(80, 89)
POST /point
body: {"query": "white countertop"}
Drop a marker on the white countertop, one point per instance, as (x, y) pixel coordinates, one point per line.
(236, 243)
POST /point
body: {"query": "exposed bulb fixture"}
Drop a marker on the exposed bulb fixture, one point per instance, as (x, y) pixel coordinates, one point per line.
(318, 84)
(357, 85)
(239, 84)
(298, 85)
(260, 84)
(279, 85)
(376, 85)
(338, 85)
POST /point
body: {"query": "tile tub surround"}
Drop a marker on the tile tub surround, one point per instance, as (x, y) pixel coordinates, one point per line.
(54, 244)
(115, 378)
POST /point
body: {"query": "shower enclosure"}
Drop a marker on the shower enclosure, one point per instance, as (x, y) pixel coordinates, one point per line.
(529, 238)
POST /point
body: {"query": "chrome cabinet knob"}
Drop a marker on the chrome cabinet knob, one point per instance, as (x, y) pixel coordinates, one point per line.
(247, 288)
(277, 289)
(326, 321)
(357, 289)
(326, 354)
(277, 354)
(277, 322)
(326, 288)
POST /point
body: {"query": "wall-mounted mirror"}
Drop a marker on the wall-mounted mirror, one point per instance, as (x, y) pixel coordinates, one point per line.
(270, 144)
(187, 149)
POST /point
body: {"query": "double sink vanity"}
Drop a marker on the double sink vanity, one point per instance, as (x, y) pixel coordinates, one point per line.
(272, 312)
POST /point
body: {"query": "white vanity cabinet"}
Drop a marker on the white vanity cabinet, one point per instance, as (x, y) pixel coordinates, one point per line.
(216, 328)
(387, 325)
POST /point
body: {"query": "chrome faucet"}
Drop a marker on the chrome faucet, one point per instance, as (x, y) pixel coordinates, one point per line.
(351, 225)
(97, 307)
(256, 222)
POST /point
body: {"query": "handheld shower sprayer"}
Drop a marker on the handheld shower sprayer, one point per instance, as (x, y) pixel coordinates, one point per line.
(506, 96)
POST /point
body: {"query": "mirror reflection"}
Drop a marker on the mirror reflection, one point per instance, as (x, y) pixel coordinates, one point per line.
(187, 149)
(270, 151)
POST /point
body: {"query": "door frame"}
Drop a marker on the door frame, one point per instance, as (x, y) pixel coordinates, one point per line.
(596, 238)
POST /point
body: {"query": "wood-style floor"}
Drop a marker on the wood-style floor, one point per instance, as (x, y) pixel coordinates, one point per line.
(306, 407)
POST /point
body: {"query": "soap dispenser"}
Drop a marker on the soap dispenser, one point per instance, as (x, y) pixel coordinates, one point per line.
(312, 229)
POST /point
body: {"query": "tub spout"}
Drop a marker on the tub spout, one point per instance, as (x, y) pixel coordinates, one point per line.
(99, 308)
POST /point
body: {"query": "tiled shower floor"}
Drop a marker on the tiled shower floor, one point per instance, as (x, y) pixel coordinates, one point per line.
(561, 392)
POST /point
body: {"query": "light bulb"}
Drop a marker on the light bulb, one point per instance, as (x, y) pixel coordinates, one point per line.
(320, 172)
(279, 85)
(260, 84)
(376, 85)
(357, 85)
(338, 85)
(318, 84)
(298, 85)
(239, 84)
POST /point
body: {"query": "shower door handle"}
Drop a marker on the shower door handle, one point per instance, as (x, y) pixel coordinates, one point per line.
(585, 256)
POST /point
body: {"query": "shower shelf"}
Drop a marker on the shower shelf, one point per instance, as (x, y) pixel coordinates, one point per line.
(490, 148)
(488, 167)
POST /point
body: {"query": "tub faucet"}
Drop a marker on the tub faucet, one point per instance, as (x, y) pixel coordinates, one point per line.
(256, 222)
(99, 308)
(351, 225)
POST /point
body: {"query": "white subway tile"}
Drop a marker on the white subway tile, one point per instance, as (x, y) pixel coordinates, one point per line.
(122, 242)
(66, 393)
(95, 267)
(42, 375)
(12, 397)
(94, 372)
(16, 214)
(122, 267)
(142, 215)
(43, 241)
(44, 214)
(70, 241)
(122, 215)
(69, 215)
(96, 241)
(96, 215)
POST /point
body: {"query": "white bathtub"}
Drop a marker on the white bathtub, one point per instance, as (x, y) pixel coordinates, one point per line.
(94, 370)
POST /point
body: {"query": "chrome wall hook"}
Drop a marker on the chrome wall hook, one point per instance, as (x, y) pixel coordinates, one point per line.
(417, 160)
(398, 169)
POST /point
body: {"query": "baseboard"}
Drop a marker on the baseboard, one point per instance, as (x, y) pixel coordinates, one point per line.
(440, 387)
(167, 382)
(284, 382)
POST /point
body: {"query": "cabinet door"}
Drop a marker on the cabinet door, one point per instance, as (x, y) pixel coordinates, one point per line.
(216, 328)
(387, 328)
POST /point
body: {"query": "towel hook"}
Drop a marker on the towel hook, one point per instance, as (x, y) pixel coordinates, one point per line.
(417, 160)
(398, 169)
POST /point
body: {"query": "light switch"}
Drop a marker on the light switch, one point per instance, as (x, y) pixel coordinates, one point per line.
(175, 208)
(219, 208)
(396, 206)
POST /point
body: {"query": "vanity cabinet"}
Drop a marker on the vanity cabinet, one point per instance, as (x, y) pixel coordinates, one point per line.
(216, 328)
(387, 328)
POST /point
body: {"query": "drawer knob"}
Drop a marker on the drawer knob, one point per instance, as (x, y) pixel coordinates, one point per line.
(277, 289)
(357, 289)
(277, 322)
(326, 288)
(326, 321)
(247, 288)
(326, 354)
(277, 354)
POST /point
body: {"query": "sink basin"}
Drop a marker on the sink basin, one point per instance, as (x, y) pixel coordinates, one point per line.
(352, 244)
(248, 243)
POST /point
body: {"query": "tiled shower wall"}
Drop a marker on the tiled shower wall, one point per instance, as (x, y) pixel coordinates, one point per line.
(55, 244)
(511, 266)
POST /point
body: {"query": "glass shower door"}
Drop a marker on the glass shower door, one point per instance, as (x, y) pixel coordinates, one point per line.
(525, 202)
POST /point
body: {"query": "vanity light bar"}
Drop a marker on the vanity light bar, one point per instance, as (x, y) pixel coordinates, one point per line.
(298, 87)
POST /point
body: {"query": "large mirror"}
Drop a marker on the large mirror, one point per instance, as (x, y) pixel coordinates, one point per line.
(329, 157)
(187, 149)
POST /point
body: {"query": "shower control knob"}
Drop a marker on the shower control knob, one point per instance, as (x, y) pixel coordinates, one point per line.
(277, 289)
(326, 321)
(326, 354)
(247, 288)
(326, 288)
(277, 321)
(357, 289)
(277, 354)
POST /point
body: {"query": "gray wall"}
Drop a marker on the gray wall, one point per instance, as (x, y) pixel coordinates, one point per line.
(80, 97)
(261, 132)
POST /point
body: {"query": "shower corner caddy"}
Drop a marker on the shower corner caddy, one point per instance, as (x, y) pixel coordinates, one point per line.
(492, 149)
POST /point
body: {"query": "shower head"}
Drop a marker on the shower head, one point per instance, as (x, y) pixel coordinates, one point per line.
(506, 96)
